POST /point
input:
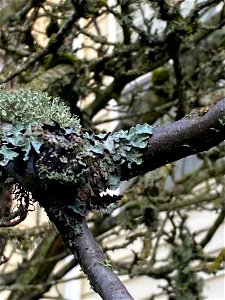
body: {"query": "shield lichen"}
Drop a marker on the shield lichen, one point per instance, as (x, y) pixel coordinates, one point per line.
(92, 161)
(67, 159)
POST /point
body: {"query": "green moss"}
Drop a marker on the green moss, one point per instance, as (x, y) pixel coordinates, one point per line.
(218, 262)
(159, 76)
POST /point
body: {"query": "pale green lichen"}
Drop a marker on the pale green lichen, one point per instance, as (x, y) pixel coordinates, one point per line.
(222, 120)
(63, 177)
(106, 263)
(123, 146)
(8, 155)
(18, 137)
(34, 107)
(26, 110)
(92, 163)
(83, 162)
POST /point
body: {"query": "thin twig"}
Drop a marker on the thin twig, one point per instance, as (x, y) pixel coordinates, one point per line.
(52, 46)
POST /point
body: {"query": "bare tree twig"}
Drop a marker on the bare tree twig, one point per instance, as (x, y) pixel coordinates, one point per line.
(210, 233)
(52, 46)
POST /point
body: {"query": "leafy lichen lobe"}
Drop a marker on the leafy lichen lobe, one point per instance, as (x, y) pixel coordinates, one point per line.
(22, 114)
(67, 156)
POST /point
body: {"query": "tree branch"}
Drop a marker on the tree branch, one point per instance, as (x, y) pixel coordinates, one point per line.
(210, 233)
(52, 46)
(91, 258)
(77, 165)
(199, 131)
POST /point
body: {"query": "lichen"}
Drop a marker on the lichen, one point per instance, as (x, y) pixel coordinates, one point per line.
(88, 164)
(18, 137)
(86, 152)
(30, 107)
(160, 75)
(27, 110)
(69, 161)
(222, 120)
(123, 146)
(106, 263)
(218, 263)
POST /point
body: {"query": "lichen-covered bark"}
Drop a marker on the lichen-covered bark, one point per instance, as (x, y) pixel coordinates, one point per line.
(73, 167)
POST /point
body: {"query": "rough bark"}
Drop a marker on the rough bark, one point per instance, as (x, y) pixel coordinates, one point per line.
(92, 259)
(197, 132)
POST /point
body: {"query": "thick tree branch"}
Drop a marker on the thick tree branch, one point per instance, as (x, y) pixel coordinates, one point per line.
(197, 132)
(77, 165)
(93, 261)
(91, 258)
